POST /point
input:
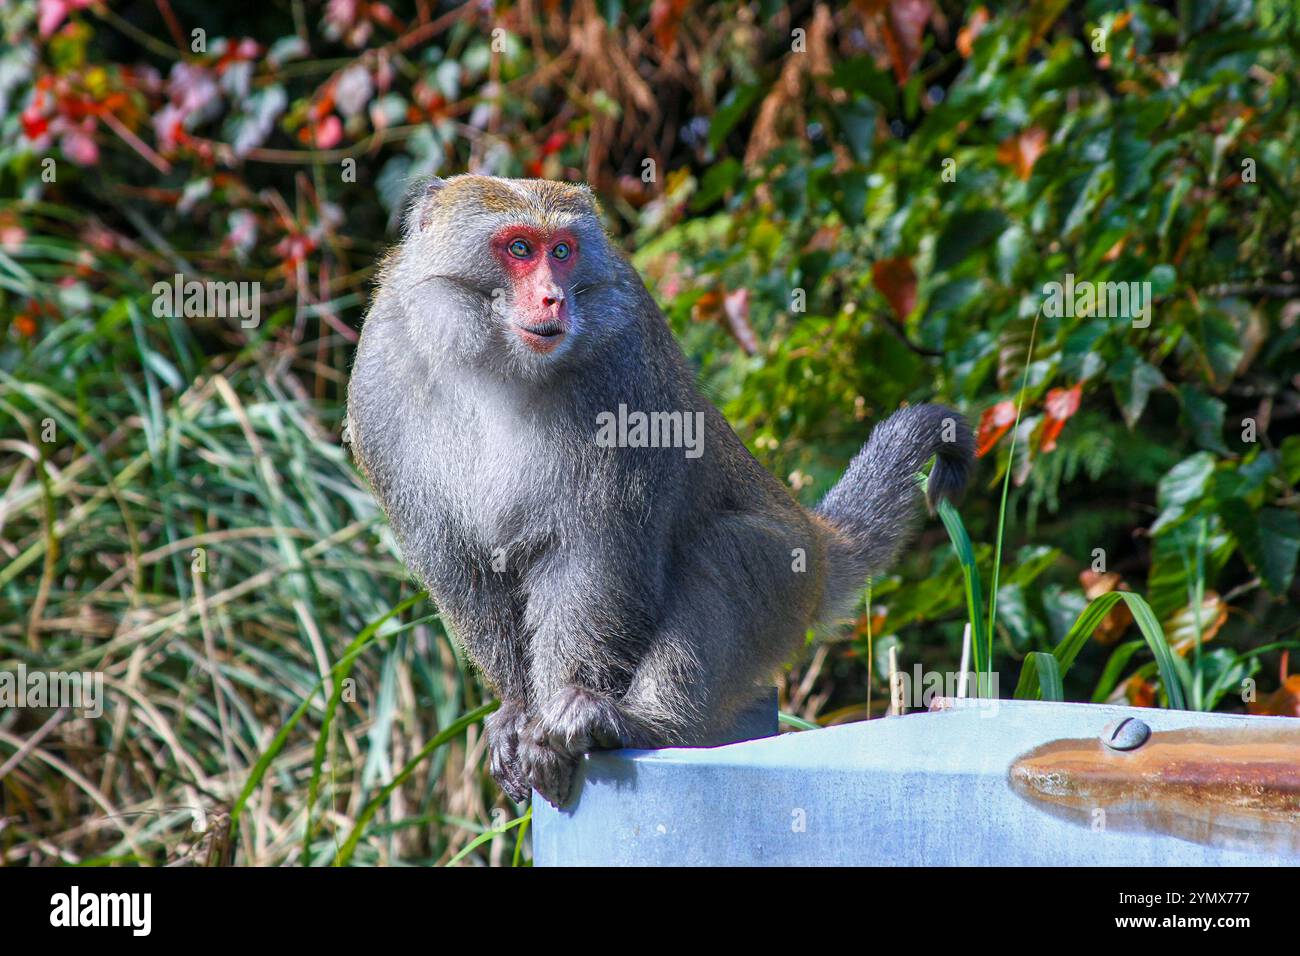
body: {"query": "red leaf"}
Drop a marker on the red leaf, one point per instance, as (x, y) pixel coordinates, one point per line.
(34, 124)
(979, 18)
(735, 305)
(903, 27)
(1022, 150)
(896, 281)
(329, 132)
(665, 18)
(1285, 701)
(1061, 403)
(994, 423)
(555, 142)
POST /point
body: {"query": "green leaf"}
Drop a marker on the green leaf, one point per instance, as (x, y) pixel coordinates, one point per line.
(1129, 151)
(1114, 668)
(1133, 380)
(861, 74)
(858, 124)
(964, 233)
(720, 179)
(1204, 416)
(731, 111)
(1290, 449)
(1182, 485)
(1269, 541)
(1089, 198)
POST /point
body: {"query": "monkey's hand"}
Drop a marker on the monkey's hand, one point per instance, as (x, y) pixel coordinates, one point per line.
(574, 721)
(504, 727)
(547, 771)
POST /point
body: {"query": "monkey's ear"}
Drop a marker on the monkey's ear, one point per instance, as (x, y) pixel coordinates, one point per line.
(419, 202)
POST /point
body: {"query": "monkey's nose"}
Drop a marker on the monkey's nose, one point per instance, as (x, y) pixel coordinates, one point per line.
(553, 304)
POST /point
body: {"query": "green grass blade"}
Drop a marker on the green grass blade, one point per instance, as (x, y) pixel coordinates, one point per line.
(1172, 667)
(482, 838)
(981, 639)
(1006, 484)
(790, 720)
(454, 729)
(1073, 642)
(339, 674)
(1114, 667)
(1048, 673)
(519, 838)
(1167, 662)
(281, 738)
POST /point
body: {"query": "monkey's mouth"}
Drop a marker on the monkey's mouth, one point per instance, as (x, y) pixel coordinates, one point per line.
(543, 336)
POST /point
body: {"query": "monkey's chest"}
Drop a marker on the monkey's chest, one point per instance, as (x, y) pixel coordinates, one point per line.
(511, 490)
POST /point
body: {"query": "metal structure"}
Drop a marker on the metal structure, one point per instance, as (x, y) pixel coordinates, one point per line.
(973, 782)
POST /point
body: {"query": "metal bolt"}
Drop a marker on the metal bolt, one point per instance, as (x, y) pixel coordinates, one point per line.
(1127, 733)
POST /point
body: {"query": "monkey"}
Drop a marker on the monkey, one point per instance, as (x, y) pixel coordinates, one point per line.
(612, 593)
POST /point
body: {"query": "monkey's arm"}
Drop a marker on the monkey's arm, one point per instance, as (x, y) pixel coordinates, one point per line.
(483, 612)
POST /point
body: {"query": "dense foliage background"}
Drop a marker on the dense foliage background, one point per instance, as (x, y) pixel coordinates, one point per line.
(841, 208)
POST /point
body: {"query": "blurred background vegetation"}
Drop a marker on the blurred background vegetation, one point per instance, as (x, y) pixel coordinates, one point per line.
(841, 207)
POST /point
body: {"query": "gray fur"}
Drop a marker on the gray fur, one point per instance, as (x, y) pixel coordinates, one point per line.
(645, 594)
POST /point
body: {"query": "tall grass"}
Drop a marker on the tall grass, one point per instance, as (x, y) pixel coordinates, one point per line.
(195, 532)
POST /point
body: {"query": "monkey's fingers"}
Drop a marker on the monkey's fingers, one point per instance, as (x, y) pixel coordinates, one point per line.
(577, 720)
(503, 729)
(548, 772)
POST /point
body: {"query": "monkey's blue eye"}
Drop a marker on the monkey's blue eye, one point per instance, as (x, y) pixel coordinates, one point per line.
(520, 249)
(561, 251)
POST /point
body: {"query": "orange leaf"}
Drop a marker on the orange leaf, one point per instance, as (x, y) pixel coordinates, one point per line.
(1022, 150)
(1284, 702)
(903, 26)
(708, 307)
(735, 306)
(994, 423)
(665, 18)
(1140, 692)
(1061, 403)
(1114, 624)
(979, 18)
(1181, 627)
(896, 281)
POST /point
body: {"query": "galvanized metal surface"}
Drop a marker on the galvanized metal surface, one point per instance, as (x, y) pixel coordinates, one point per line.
(936, 789)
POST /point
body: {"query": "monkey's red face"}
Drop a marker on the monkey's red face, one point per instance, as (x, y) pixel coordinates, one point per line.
(539, 265)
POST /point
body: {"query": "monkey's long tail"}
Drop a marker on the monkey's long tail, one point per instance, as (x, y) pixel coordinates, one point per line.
(874, 505)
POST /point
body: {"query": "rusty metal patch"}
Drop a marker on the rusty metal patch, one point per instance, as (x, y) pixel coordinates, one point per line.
(1237, 789)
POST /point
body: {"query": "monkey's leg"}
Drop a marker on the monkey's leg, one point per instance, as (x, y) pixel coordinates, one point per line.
(485, 617)
(738, 606)
(591, 612)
